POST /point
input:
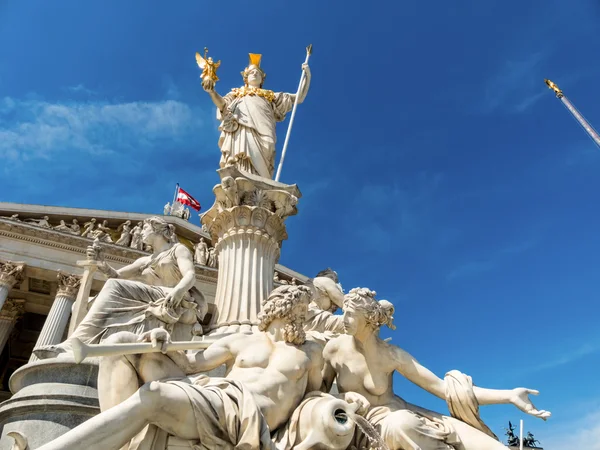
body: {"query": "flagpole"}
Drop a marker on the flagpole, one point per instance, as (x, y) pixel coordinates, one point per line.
(174, 198)
(289, 130)
(521, 435)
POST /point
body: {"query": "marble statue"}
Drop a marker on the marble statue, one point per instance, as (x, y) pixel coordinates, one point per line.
(62, 227)
(136, 237)
(530, 440)
(44, 222)
(362, 363)
(75, 228)
(201, 252)
(512, 439)
(14, 217)
(165, 297)
(102, 233)
(88, 227)
(167, 209)
(125, 230)
(328, 297)
(212, 258)
(278, 280)
(248, 116)
(271, 372)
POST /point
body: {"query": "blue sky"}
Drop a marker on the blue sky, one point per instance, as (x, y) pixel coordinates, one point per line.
(436, 166)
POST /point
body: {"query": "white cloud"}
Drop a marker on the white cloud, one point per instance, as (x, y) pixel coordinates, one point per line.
(33, 129)
(81, 89)
(516, 86)
(569, 356)
(473, 268)
(582, 433)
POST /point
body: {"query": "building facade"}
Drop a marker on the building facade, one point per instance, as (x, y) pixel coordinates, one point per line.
(40, 247)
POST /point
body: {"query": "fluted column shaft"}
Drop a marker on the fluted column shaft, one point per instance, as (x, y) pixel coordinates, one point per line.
(58, 317)
(6, 327)
(247, 258)
(10, 313)
(4, 289)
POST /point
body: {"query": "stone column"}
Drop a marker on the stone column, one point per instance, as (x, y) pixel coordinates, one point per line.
(10, 274)
(12, 310)
(246, 225)
(58, 317)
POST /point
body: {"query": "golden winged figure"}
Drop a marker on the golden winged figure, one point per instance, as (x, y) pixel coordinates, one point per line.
(208, 66)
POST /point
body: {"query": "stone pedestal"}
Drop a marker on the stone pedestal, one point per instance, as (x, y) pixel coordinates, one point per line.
(10, 274)
(10, 313)
(58, 318)
(50, 397)
(247, 227)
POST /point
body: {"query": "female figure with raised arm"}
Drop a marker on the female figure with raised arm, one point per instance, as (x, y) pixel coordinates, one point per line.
(363, 363)
(155, 291)
(248, 116)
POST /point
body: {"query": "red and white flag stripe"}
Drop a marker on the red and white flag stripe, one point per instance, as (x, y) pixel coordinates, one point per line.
(186, 199)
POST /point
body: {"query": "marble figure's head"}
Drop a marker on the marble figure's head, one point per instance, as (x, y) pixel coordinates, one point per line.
(290, 304)
(157, 228)
(361, 309)
(254, 76)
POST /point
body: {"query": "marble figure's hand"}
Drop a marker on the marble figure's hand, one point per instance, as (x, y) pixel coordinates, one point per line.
(157, 337)
(520, 398)
(208, 85)
(173, 299)
(360, 401)
(91, 253)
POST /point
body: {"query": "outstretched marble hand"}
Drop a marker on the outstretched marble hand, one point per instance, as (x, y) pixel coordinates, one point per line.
(520, 398)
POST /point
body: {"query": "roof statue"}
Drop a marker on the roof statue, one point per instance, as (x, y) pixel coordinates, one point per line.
(248, 115)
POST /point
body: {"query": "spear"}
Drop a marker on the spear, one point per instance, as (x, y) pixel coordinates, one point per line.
(289, 130)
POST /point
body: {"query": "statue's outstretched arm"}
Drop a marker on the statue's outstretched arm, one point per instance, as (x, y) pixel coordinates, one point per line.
(423, 377)
(214, 96)
(305, 83)
(413, 371)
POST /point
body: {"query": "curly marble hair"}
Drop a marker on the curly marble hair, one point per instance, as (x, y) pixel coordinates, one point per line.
(161, 226)
(280, 305)
(376, 313)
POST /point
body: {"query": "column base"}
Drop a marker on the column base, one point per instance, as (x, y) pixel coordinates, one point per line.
(51, 397)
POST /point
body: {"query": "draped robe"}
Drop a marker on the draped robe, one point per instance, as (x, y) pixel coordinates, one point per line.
(248, 130)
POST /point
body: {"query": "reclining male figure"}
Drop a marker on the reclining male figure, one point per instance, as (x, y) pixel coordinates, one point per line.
(270, 372)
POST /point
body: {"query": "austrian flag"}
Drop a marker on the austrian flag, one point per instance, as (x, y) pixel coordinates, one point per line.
(186, 199)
